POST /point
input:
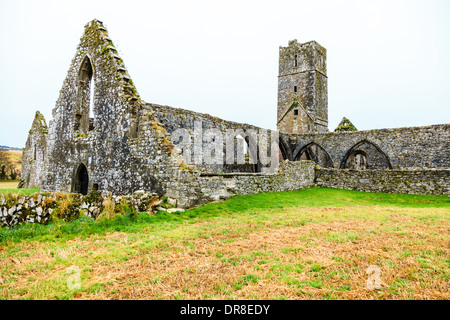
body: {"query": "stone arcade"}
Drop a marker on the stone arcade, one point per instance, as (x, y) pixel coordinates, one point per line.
(104, 137)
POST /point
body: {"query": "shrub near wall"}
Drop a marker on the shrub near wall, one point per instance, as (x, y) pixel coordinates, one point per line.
(420, 181)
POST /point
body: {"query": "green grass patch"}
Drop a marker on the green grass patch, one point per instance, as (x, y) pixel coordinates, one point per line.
(316, 267)
(321, 197)
(315, 283)
(249, 278)
(20, 191)
(342, 237)
(245, 209)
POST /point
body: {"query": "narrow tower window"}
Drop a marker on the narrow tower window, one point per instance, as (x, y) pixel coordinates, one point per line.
(295, 61)
(295, 112)
(295, 88)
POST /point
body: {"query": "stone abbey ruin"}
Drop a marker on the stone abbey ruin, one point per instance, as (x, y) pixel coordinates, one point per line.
(104, 137)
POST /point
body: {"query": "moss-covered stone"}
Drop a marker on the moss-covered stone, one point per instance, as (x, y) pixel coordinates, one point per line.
(345, 125)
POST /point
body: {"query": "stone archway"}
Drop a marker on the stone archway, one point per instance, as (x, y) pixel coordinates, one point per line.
(315, 152)
(81, 180)
(358, 160)
(285, 153)
(365, 155)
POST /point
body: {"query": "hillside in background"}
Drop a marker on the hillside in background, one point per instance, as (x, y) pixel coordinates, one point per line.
(10, 163)
(10, 148)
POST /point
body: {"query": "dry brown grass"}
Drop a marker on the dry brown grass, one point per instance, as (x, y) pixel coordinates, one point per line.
(202, 274)
(324, 258)
(9, 184)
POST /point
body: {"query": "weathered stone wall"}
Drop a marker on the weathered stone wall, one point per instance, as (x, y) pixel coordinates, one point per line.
(174, 118)
(423, 181)
(196, 188)
(408, 147)
(42, 207)
(34, 154)
(290, 176)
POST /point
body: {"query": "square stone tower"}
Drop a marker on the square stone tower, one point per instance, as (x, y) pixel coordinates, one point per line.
(302, 88)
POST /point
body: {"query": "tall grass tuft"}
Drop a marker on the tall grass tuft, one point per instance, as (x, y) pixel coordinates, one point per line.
(67, 208)
(109, 210)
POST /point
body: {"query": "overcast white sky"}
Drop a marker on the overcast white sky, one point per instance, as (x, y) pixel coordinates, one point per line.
(388, 61)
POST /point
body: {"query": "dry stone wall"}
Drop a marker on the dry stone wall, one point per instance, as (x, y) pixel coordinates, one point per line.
(421, 181)
(42, 207)
(290, 176)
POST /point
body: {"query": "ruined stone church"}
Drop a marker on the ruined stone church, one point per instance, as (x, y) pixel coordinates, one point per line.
(103, 136)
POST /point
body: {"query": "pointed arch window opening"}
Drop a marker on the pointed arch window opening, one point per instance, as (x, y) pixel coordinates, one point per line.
(366, 155)
(316, 153)
(91, 99)
(85, 111)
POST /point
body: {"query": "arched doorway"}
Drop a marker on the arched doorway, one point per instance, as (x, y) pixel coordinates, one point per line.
(365, 155)
(358, 160)
(81, 180)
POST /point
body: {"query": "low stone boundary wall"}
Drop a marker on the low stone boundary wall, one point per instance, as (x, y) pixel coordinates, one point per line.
(413, 181)
(40, 207)
(290, 176)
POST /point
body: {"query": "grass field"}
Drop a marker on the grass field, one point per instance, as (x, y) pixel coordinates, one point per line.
(10, 186)
(309, 244)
